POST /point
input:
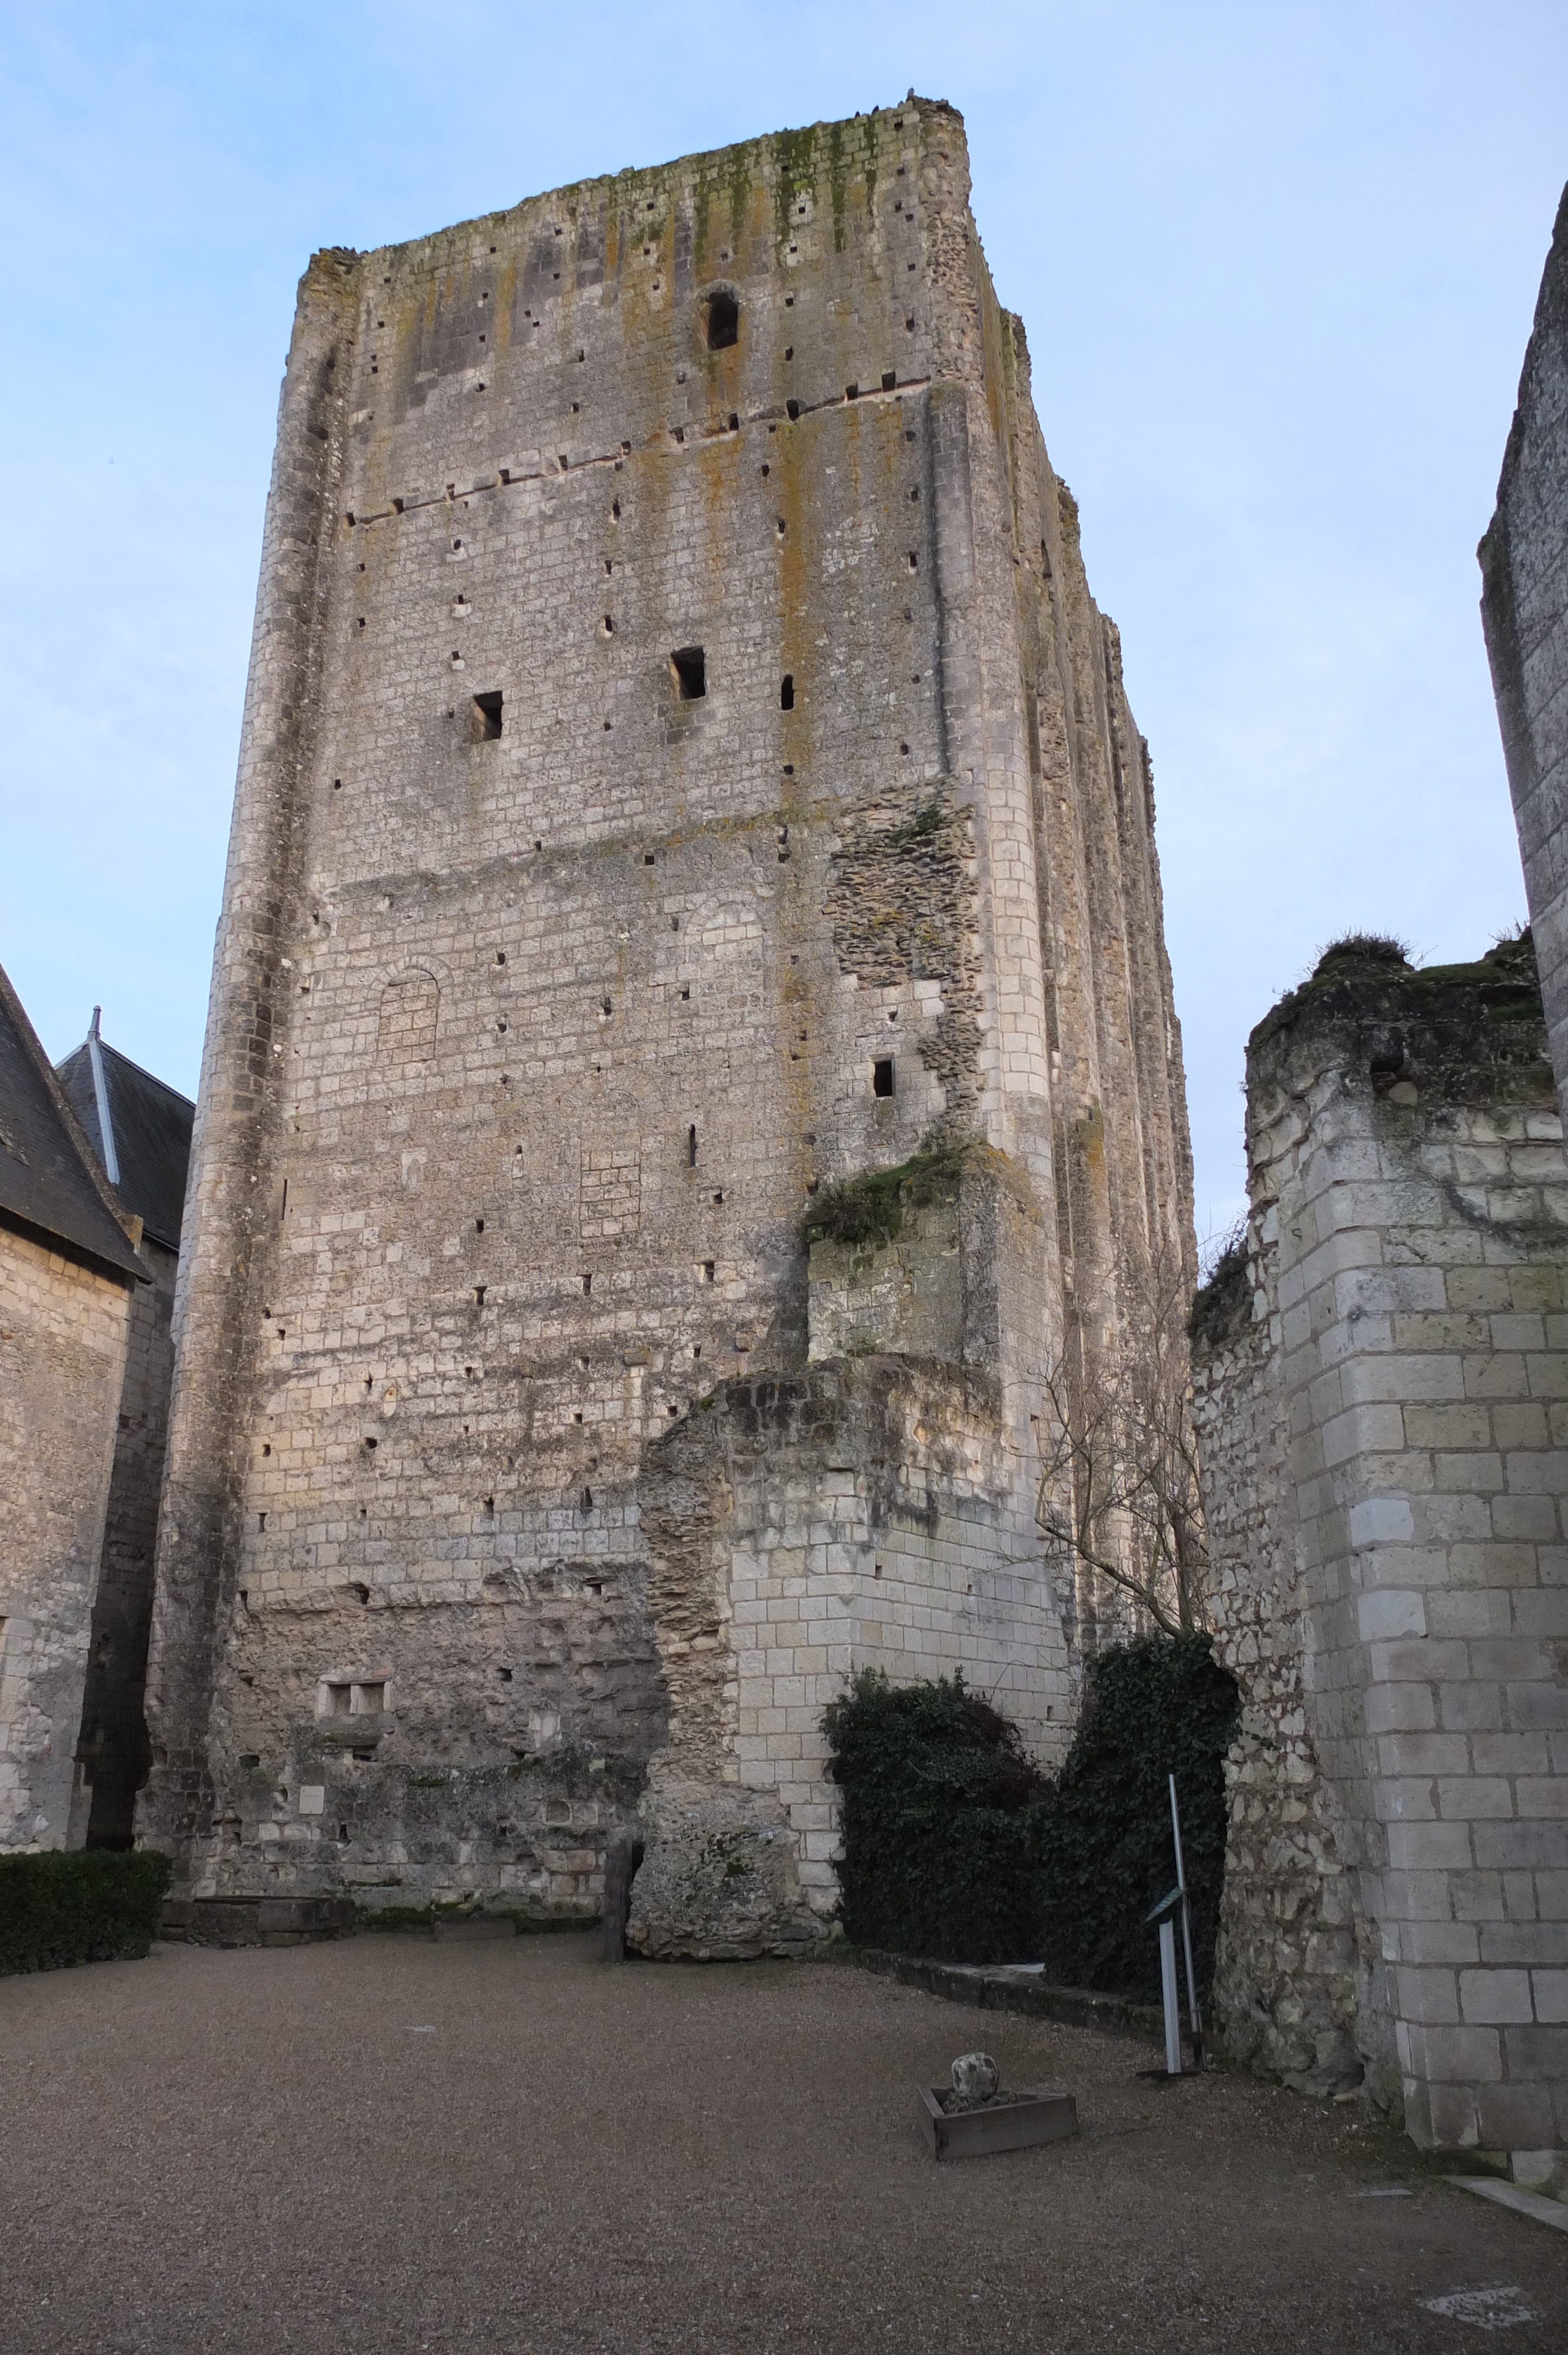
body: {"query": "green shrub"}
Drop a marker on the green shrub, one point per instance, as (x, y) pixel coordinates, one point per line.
(79, 1905)
(941, 1815)
(1151, 1707)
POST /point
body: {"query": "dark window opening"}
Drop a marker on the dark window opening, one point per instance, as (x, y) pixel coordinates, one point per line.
(882, 1076)
(889, 378)
(487, 717)
(786, 692)
(689, 666)
(723, 320)
(791, 410)
(692, 1148)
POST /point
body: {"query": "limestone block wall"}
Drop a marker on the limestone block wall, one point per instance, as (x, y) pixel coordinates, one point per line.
(682, 766)
(1293, 1955)
(63, 1335)
(1407, 1334)
(1524, 607)
(867, 1513)
(874, 1510)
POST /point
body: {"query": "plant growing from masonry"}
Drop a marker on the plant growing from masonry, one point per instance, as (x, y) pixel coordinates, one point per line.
(1151, 1709)
(1119, 1486)
(941, 1810)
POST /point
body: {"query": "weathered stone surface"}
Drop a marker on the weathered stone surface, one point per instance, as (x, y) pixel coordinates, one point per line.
(976, 2076)
(63, 1330)
(68, 1270)
(682, 769)
(1524, 607)
(1385, 1482)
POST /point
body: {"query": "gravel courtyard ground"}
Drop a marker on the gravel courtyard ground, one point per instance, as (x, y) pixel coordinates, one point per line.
(392, 2145)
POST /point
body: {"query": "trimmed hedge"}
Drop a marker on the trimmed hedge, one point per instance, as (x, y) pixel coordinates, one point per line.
(941, 1817)
(79, 1905)
(1159, 1706)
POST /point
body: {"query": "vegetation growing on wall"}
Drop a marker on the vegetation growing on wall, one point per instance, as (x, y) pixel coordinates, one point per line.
(869, 1209)
(941, 1813)
(1223, 1305)
(1151, 1707)
(957, 1848)
(79, 1905)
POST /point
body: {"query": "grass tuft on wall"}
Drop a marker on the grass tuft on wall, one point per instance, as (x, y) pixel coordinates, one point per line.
(869, 1209)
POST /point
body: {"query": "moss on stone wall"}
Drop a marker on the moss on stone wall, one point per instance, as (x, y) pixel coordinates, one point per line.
(1463, 1033)
(870, 1208)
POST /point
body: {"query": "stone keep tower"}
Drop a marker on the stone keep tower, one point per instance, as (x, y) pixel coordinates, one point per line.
(682, 768)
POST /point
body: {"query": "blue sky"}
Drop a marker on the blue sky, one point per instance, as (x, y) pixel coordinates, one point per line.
(1277, 265)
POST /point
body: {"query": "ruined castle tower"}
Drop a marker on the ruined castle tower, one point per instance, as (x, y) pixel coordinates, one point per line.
(682, 769)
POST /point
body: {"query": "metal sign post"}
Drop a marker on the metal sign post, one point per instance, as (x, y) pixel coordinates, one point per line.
(1176, 1900)
(1168, 1998)
(1194, 2014)
(1165, 1914)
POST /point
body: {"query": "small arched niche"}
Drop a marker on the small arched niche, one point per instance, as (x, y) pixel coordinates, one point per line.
(722, 319)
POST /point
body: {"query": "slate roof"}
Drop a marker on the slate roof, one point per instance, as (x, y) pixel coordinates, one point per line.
(148, 1148)
(49, 1181)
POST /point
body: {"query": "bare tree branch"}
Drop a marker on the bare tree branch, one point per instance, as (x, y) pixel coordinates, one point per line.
(1118, 1466)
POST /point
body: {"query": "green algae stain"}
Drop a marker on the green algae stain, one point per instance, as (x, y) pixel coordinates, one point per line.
(794, 154)
(836, 183)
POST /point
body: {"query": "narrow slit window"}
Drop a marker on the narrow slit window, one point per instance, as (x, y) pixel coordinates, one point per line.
(689, 664)
(723, 320)
(882, 1076)
(487, 717)
(692, 1146)
(786, 692)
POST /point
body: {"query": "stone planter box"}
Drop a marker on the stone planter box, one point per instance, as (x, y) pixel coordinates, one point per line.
(1047, 2116)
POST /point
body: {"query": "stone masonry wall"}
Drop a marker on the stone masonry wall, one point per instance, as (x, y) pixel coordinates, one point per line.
(1524, 607)
(1410, 1223)
(1290, 1964)
(645, 816)
(63, 1332)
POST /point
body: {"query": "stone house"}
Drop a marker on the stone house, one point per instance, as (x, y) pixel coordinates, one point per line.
(69, 1277)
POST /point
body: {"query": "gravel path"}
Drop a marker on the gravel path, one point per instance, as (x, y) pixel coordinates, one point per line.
(392, 2145)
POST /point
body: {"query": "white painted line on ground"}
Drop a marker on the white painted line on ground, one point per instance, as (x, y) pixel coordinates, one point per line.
(1487, 2309)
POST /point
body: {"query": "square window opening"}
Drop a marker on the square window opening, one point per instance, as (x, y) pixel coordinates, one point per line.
(689, 664)
(487, 717)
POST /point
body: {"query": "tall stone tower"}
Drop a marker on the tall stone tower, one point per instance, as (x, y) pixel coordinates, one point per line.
(682, 771)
